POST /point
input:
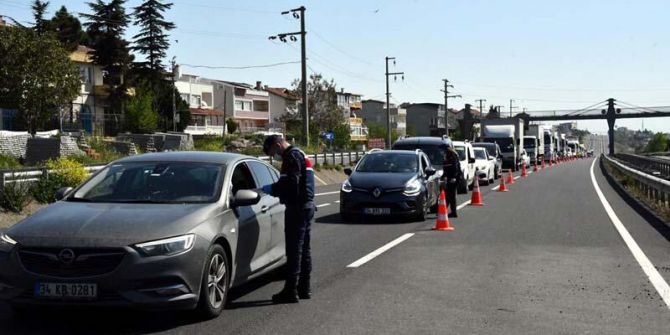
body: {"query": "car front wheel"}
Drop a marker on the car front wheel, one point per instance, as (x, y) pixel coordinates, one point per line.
(215, 283)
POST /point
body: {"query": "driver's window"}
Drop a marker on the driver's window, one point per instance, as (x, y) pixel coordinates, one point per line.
(424, 162)
(242, 178)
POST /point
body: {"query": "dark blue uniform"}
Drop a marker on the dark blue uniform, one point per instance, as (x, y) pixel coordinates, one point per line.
(295, 190)
(452, 175)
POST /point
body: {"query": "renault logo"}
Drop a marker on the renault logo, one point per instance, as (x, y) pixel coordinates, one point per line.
(377, 192)
(66, 256)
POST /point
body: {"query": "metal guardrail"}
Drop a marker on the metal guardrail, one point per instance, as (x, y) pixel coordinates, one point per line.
(33, 174)
(658, 167)
(654, 188)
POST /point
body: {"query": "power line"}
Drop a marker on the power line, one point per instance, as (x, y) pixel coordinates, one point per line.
(239, 67)
(232, 9)
(564, 89)
(338, 49)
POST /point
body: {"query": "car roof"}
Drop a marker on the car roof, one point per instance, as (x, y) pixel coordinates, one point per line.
(401, 152)
(424, 140)
(479, 149)
(187, 156)
(463, 143)
(484, 144)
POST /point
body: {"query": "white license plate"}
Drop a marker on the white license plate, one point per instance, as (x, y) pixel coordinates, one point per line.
(66, 290)
(377, 211)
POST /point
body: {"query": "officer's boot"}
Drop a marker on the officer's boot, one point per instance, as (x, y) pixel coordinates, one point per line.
(304, 289)
(288, 295)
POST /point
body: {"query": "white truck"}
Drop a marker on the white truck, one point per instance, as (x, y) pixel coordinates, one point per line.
(508, 133)
(533, 142)
(549, 143)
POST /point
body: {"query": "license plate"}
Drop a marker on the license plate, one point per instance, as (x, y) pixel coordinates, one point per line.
(66, 290)
(377, 211)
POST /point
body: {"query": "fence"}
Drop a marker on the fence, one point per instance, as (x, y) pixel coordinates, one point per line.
(654, 189)
(32, 175)
(659, 167)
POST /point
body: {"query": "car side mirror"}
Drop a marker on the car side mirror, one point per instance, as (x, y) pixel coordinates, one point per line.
(491, 158)
(430, 171)
(62, 192)
(471, 160)
(245, 198)
(347, 171)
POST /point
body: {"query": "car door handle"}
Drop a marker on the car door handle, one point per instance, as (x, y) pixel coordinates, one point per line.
(264, 209)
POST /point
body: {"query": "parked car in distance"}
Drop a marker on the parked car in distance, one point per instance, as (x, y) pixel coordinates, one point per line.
(390, 183)
(434, 147)
(467, 158)
(161, 231)
(589, 153)
(493, 150)
(524, 159)
(484, 166)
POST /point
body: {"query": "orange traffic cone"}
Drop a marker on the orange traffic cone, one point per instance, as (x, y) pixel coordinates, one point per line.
(442, 218)
(544, 166)
(535, 165)
(524, 173)
(502, 187)
(476, 199)
(510, 177)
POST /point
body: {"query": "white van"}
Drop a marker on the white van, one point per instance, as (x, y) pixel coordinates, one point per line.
(466, 154)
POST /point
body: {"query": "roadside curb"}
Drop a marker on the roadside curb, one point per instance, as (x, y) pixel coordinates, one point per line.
(640, 207)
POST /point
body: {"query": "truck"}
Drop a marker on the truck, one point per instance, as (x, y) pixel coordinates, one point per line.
(563, 145)
(549, 136)
(533, 142)
(508, 133)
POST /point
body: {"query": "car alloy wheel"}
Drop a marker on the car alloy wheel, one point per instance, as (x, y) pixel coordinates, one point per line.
(217, 281)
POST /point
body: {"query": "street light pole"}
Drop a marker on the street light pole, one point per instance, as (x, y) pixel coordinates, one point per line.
(388, 97)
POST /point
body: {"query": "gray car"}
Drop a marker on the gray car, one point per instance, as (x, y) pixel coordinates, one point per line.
(155, 231)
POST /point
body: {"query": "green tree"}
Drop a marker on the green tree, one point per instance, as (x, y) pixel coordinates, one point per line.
(39, 8)
(324, 113)
(106, 26)
(36, 76)
(342, 134)
(659, 143)
(379, 131)
(152, 40)
(232, 126)
(140, 115)
(67, 29)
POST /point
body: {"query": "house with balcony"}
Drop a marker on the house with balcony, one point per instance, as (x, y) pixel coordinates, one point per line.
(87, 110)
(351, 104)
(282, 101)
(374, 112)
(198, 92)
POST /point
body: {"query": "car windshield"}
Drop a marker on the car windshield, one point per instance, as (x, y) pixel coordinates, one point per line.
(461, 152)
(388, 162)
(153, 182)
(506, 144)
(480, 154)
(490, 148)
(529, 143)
(434, 153)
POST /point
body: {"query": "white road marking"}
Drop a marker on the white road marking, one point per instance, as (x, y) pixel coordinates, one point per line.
(323, 205)
(380, 251)
(337, 201)
(319, 179)
(495, 188)
(654, 277)
(327, 193)
(463, 204)
(517, 177)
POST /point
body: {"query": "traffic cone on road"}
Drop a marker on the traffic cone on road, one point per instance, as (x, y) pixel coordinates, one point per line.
(535, 166)
(510, 177)
(476, 199)
(544, 166)
(524, 173)
(503, 187)
(442, 218)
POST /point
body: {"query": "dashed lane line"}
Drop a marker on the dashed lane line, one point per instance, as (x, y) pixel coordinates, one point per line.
(323, 205)
(327, 193)
(380, 251)
(655, 278)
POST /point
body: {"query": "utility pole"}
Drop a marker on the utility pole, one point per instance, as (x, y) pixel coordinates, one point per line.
(299, 13)
(446, 104)
(225, 105)
(388, 97)
(174, 98)
(511, 102)
(481, 107)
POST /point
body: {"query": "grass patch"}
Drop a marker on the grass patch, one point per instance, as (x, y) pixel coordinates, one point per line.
(9, 163)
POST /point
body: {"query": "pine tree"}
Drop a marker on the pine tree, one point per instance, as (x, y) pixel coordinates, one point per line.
(39, 8)
(105, 27)
(152, 40)
(68, 29)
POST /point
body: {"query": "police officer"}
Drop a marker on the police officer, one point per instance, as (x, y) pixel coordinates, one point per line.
(295, 189)
(452, 174)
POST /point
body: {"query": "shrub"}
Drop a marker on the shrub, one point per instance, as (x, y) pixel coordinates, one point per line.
(252, 151)
(14, 197)
(8, 162)
(338, 167)
(209, 143)
(64, 172)
(317, 167)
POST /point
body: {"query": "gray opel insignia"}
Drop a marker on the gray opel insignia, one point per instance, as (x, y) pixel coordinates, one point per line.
(155, 231)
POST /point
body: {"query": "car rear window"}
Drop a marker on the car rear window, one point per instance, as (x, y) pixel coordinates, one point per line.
(388, 162)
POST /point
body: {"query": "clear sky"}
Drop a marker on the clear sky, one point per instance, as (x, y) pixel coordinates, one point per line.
(544, 54)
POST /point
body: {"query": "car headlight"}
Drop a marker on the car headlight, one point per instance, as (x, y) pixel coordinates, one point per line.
(6, 243)
(168, 246)
(413, 187)
(346, 186)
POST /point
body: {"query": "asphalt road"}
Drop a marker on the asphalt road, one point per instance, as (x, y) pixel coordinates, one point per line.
(544, 258)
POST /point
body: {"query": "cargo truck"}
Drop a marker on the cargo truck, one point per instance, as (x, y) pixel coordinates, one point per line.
(549, 143)
(508, 133)
(534, 143)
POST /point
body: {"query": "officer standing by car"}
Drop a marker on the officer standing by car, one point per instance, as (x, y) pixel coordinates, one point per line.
(295, 189)
(452, 174)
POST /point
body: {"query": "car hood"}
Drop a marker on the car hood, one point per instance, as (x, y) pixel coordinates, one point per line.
(76, 224)
(369, 180)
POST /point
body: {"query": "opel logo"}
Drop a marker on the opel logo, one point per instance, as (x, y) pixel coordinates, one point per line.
(377, 192)
(66, 256)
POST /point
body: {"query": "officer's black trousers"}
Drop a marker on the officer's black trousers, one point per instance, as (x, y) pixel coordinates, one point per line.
(297, 228)
(451, 197)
